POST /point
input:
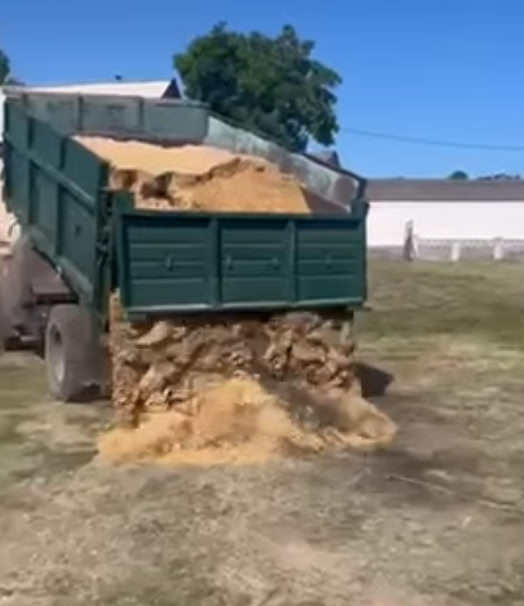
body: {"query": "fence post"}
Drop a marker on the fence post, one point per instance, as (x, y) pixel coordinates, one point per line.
(455, 251)
(498, 249)
(408, 251)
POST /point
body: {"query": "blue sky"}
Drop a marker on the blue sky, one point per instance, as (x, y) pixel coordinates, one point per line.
(438, 69)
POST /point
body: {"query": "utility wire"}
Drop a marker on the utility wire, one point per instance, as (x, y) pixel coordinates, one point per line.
(431, 142)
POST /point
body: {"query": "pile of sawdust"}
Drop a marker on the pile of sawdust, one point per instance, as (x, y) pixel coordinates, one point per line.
(238, 421)
(217, 389)
(197, 177)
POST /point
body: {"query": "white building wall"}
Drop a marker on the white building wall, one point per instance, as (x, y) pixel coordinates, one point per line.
(7, 234)
(461, 220)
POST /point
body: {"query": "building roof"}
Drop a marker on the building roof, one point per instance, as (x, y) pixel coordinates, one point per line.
(445, 190)
(148, 89)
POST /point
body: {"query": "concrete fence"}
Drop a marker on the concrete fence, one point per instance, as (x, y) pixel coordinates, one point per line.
(496, 249)
(453, 249)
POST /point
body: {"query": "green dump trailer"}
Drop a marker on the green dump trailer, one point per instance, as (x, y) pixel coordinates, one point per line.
(80, 241)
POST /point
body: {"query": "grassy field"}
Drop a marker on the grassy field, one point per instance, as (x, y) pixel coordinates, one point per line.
(436, 519)
(483, 301)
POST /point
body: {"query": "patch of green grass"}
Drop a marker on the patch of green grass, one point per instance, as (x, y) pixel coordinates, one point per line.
(481, 300)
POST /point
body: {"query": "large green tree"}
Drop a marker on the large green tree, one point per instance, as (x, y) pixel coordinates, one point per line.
(269, 85)
(459, 175)
(4, 67)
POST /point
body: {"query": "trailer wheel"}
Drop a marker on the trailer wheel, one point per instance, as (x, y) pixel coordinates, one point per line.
(71, 350)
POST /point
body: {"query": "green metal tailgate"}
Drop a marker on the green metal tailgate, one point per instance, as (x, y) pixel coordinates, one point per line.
(175, 262)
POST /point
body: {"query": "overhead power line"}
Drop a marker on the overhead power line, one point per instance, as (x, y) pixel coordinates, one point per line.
(432, 142)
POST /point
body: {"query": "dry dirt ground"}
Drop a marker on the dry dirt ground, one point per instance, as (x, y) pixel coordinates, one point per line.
(436, 519)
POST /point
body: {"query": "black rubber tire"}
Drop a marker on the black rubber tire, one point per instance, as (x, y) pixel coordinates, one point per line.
(71, 354)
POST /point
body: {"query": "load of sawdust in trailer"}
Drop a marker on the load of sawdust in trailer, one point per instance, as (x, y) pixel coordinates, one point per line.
(197, 177)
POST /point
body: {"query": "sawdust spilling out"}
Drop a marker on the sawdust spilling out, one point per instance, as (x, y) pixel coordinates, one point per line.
(217, 389)
(197, 177)
(240, 422)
